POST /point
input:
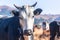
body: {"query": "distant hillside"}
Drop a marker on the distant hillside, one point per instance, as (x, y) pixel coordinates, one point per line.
(6, 7)
(5, 10)
(48, 18)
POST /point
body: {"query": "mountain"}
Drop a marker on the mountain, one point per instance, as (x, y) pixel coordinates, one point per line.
(48, 18)
(57, 19)
(5, 10)
(6, 7)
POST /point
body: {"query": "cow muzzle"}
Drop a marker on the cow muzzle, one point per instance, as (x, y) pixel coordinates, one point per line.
(28, 32)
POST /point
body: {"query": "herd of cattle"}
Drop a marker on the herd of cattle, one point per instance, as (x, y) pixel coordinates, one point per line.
(13, 28)
(50, 34)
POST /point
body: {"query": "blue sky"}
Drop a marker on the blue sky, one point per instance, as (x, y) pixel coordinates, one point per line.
(48, 6)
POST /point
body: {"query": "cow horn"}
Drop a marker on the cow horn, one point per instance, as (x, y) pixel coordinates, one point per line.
(34, 5)
(17, 6)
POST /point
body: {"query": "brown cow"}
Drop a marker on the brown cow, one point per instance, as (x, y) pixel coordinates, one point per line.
(40, 33)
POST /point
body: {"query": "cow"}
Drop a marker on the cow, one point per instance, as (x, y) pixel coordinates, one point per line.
(11, 28)
(42, 31)
(38, 31)
(58, 32)
(46, 30)
(54, 28)
(28, 14)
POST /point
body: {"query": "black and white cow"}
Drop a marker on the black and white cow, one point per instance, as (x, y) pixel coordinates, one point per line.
(9, 26)
(28, 15)
(54, 29)
(58, 34)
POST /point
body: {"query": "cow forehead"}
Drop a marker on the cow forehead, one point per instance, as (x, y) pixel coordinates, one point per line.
(28, 7)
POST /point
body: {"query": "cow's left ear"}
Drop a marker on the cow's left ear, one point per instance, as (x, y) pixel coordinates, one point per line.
(37, 11)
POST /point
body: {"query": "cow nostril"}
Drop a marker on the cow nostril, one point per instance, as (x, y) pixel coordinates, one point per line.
(32, 16)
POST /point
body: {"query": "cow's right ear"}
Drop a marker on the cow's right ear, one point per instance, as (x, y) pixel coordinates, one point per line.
(15, 12)
(37, 11)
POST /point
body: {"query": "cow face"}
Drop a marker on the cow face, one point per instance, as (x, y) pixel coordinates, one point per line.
(27, 13)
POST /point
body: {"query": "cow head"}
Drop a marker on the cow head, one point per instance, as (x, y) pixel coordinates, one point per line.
(27, 12)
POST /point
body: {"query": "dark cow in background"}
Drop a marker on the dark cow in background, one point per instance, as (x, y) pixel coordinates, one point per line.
(54, 29)
(58, 34)
(9, 27)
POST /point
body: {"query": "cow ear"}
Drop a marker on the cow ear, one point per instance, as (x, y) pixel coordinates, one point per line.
(15, 13)
(37, 11)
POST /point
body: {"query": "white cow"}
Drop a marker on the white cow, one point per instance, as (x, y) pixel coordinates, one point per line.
(27, 13)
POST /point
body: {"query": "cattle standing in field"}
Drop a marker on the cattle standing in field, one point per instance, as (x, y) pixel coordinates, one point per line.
(46, 31)
(42, 31)
(54, 29)
(9, 26)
